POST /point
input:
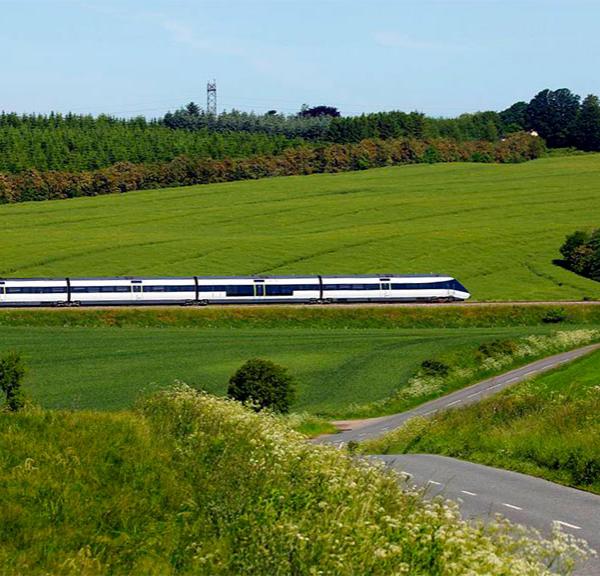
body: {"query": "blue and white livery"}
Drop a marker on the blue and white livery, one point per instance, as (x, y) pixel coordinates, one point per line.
(202, 290)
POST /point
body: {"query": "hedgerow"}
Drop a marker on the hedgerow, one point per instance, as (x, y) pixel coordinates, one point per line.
(184, 171)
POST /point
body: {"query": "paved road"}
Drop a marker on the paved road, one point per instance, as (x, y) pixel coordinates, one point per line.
(379, 426)
(483, 491)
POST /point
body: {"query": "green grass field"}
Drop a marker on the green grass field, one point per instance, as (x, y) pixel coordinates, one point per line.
(495, 227)
(548, 427)
(108, 368)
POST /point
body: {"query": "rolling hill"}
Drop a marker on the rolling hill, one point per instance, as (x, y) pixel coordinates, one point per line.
(495, 227)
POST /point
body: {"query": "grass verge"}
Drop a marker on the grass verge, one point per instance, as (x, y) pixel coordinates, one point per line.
(547, 427)
(341, 317)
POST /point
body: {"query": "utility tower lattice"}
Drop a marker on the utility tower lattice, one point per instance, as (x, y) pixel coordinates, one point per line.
(211, 98)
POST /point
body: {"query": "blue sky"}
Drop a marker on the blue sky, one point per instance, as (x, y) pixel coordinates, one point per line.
(442, 57)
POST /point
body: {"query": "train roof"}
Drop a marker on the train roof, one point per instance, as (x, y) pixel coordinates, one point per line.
(374, 275)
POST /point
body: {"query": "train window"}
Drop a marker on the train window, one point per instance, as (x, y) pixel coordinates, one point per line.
(260, 289)
(351, 287)
(170, 288)
(385, 286)
(206, 288)
(137, 288)
(423, 285)
(240, 290)
(36, 289)
(99, 289)
(289, 289)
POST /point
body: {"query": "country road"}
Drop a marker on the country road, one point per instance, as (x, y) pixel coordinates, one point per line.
(375, 427)
(481, 490)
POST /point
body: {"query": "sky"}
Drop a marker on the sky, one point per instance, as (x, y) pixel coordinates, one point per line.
(441, 57)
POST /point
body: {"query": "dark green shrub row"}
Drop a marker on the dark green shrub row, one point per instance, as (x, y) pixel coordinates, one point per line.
(184, 171)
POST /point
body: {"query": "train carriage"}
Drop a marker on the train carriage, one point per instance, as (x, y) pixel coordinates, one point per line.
(229, 290)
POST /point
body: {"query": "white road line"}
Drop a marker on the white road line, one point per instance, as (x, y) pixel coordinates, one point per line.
(511, 506)
(568, 525)
(452, 403)
(512, 380)
(434, 482)
(430, 412)
(469, 493)
(474, 394)
(495, 385)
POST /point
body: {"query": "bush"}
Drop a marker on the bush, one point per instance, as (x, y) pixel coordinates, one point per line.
(263, 384)
(434, 368)
(12, 371)
(554, 316)
(497, 348)
(581, 253)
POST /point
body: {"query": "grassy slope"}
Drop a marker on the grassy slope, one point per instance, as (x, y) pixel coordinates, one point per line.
(107, 368)
(548, 427)
(496, 227)
(195, 485)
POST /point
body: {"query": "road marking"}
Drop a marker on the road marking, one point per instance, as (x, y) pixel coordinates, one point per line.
(469, 493)
(511, 506)
(512, 379)
(452, 403)
(568, 525)
(434, 482)
(496, 385)
(430, 412)
(474, 394)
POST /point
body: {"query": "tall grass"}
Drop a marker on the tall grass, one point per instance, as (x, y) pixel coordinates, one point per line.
(375, 316)
(192, 484)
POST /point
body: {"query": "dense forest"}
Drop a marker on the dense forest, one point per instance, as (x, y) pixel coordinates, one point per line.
(74, 143)
(81, 143)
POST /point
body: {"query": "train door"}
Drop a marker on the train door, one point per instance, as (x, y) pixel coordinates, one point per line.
(259, 290)
(137, 292)
(2, 293)
(385, 288)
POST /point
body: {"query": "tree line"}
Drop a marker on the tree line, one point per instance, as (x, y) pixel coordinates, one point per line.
(185, 170)
(81, 142)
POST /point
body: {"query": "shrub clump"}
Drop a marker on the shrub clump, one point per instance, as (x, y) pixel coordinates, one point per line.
(554, 316)
(581, 253)
(12, 372)
(434, 368)
(263, 384)
(497, 348)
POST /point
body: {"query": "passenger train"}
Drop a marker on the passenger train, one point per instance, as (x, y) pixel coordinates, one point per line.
(229, 290)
